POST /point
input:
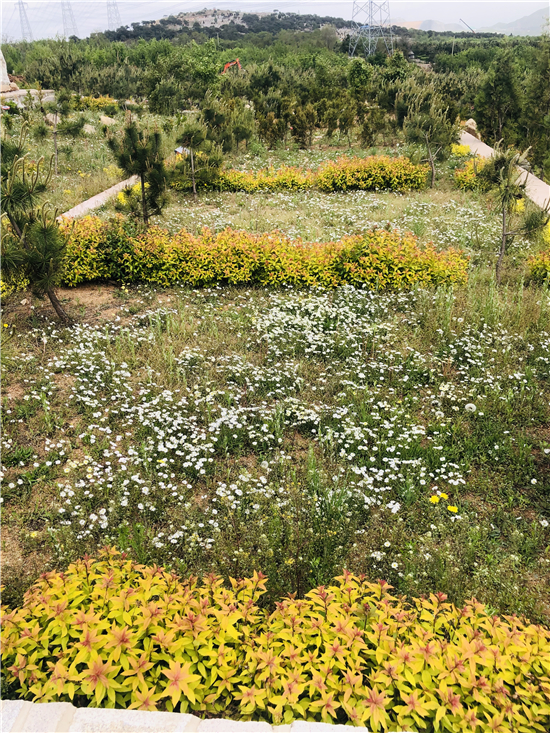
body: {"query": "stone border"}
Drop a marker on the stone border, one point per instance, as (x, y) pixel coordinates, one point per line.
(538, 191)
(20, 716)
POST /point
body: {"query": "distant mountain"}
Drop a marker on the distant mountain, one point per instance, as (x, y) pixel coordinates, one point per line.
(529, 25)
(429, 25)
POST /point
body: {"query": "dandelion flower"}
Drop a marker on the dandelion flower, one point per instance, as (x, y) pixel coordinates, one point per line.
(453, 509)
(434, 499)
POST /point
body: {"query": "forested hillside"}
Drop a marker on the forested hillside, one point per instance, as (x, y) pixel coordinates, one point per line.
(298, 65)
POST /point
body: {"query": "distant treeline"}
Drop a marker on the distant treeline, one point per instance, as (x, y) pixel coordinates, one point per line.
(294, 78)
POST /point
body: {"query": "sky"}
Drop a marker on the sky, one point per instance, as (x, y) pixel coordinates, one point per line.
(91, 15)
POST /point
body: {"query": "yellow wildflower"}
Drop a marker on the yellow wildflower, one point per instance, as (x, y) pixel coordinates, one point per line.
(453, 509)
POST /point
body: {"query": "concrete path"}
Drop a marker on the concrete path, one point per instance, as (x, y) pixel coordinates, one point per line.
(96, 201)
(18, 716)
(538, 191)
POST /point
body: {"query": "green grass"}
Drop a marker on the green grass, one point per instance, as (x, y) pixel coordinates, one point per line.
(295, 433)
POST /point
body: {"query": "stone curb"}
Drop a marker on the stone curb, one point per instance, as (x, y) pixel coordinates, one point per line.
(20, 716)
(538, 191)
(96, 201)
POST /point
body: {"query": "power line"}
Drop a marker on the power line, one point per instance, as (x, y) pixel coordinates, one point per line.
(371, 19)
(69, 23)
(113, 15)
(26, 32)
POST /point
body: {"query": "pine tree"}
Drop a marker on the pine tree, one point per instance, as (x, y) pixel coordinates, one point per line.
(201, 164)
(498, 103)
(139, 153)
(33, 246)
(428, 124)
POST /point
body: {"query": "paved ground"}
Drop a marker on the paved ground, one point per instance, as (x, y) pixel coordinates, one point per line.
(537, 190)
(18, 716)
(96, 201)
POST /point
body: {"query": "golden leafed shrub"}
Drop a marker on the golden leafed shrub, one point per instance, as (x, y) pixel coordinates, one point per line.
(375, 173)
(466, 178)
(112, 633)
(381, 259)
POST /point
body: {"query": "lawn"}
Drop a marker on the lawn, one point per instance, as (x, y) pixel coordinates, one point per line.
(403, 436)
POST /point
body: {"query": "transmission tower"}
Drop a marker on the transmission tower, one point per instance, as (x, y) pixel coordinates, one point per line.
(113, 15)
(26, 33)
(371, 19)
(69, 23)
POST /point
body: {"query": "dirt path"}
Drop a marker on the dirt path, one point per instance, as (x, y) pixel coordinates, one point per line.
(96, 201)
(537, 190)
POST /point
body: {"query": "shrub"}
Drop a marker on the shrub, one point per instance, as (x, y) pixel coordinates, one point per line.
(286, 178)
(539, 265)
(466, 178)
(112, 633)
(460, 151)
(371, 174)
(345, 174)
(107, 104)
(377, 259)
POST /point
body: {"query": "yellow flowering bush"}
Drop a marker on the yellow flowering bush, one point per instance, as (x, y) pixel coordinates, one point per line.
(466, 177)
(12, 285)
(371, 174)
(461, 151)
(539, 265)
(96, 103)
(380, 259)
(287, 178)
(112, 633)
(366, 174)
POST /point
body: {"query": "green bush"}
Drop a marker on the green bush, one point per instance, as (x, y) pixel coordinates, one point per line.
(113, 633)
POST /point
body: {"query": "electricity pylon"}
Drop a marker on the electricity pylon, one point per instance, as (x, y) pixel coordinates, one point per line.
(113, 15)
(26, 33)
(371, 20)
(69, 23)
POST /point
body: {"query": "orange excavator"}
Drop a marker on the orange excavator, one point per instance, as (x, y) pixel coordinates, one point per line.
(229, 64)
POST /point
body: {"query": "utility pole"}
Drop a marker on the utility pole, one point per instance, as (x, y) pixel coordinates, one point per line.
(26, 33)
(371, 19)
(113, 15)
(69, 23)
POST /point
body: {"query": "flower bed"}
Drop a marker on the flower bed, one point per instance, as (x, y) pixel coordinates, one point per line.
(112, 633)
(378, 258)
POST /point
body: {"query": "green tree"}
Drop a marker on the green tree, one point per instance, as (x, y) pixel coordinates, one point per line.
(498, 102)
(430, 126)
(304, 120)
(33, 246)
(139, 153)
(201, 160)
(503, 173)
(359, 78)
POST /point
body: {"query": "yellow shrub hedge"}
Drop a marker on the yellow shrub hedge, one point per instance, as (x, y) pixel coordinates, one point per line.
(345, 174)
(371, 174)
(96, 103)
(112, 633)
(286, 178)
(379, 258)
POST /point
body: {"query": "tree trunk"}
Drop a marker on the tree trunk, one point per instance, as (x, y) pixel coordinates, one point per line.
(144, 201)
(432, 162)
(502, 248)
(55, 141)
(193, 174)
(58, 308)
